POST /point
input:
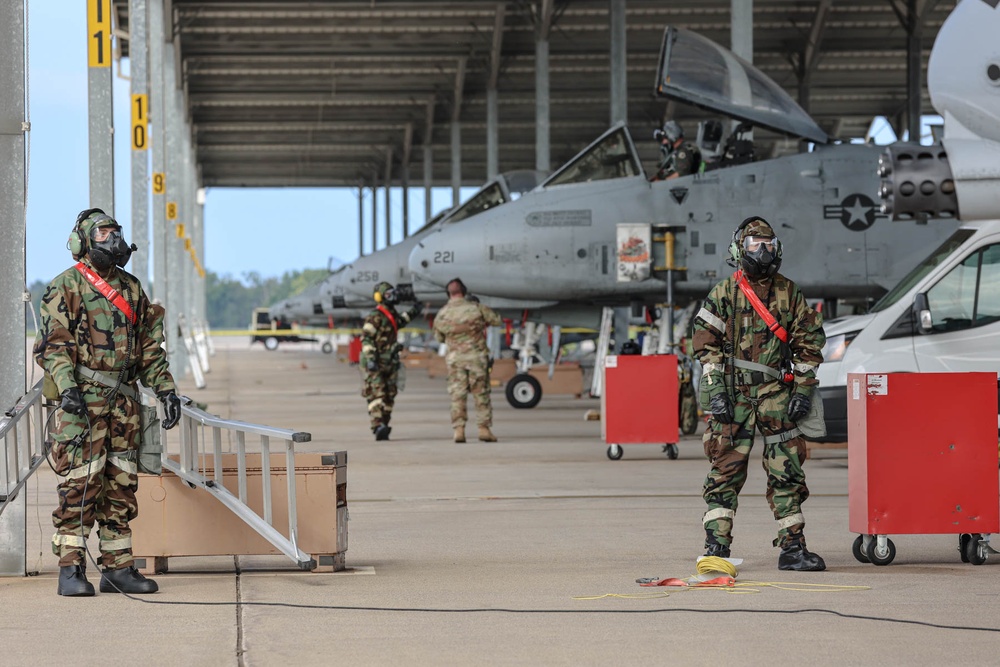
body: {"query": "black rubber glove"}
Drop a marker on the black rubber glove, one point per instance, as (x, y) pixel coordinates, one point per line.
(372, 366)
(722, 408)
(416, 309)
(171, 408)
(73, 403)
(798, 407)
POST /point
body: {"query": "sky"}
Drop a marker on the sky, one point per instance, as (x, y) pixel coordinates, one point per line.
(239, 222)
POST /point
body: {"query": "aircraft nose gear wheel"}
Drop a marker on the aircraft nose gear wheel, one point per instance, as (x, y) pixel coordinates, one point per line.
(670, 449)
(327, 347)
(271, 343)
(880, 550)
(615, 452)
(524, 391)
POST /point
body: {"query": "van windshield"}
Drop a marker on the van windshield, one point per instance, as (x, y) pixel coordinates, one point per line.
(922, 269)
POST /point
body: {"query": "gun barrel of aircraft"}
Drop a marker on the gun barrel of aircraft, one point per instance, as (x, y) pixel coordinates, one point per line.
(917, 182)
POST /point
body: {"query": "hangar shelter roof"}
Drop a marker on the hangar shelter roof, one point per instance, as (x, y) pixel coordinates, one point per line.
(341, 92)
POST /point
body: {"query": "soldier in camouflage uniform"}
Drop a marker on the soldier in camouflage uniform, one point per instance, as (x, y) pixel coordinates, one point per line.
(461, 325)
(677, 157)
(380, 356)
(118, 334)
(754, 380)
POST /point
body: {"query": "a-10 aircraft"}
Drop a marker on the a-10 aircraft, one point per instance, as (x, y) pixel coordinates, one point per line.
(563, 240)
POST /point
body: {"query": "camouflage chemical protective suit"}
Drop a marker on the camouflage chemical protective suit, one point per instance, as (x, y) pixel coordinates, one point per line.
(461, 325)
(759, 401)
(380, 342)
(80, 327)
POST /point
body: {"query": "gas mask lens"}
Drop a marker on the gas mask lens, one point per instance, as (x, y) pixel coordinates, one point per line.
(754, 243)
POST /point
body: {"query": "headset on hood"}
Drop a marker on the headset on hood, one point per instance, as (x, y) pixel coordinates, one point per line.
(384, 293)
(113, 251)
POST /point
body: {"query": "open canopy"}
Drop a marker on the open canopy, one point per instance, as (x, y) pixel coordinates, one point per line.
(698, 71)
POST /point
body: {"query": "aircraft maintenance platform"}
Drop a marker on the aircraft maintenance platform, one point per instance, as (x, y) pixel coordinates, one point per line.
(521, 552)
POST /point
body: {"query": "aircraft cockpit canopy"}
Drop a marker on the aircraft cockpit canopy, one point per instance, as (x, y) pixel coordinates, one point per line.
(612, 156)
(491, 195)
(696, 70)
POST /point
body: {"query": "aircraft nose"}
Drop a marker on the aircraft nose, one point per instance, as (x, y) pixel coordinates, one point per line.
(422, 262)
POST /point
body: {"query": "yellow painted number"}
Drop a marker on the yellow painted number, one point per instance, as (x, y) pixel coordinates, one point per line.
(140, 124)
(180, 230)
(159, 183)
(171, 210)
(99, 33)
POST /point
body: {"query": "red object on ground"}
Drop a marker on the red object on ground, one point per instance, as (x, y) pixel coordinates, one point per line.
(639, 401)
(922, 453)
(354, 350)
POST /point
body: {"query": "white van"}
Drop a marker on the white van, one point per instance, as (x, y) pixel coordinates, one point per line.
(943, 316)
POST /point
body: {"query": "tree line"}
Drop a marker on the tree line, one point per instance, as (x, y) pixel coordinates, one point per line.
(229, 301)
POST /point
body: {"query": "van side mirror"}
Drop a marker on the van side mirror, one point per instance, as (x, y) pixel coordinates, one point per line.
(922, 313)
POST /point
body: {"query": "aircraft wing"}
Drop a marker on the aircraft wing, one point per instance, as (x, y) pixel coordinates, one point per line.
(696, 70)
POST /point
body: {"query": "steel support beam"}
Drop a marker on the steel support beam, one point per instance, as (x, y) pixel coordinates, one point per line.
(492, 106)
(456, 135)
(388, 191)
(157, 120)
(100, 125)
(428, 159)
(543, 24)
(138, 52)
(618, 94)
(361, 221)
(13, 183)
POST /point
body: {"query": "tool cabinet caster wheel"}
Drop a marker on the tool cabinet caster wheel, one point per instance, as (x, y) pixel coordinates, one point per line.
(671, 451)
(858, 549)
(615, 452)
(974, 552)
(881, 556)
(963, 543)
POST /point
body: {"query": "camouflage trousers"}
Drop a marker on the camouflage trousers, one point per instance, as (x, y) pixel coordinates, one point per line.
(469, 377)
(728, 447)
(98, 480)
(379, 389)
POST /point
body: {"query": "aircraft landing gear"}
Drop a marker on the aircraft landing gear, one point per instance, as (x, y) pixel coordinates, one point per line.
(271, 343)
(523, 391)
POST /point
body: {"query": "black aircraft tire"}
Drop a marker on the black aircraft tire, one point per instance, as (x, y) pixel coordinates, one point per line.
(326, 347)
(523, 391)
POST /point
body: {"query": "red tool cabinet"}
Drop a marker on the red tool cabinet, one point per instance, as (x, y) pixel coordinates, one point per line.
(922, 458)
(639, 403)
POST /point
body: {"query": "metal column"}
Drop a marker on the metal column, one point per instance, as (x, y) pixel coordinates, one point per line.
(13, 125)
(157, 114)
(174, 286)
(456, 162)
(100, 126)
(139, 74)
(542, 160)
(741, 36)
(361, 221)
(619, 72)
(388, 203)
(374, 214)
(914, 69)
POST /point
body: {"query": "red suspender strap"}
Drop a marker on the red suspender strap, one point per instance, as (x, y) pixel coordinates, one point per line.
(107, 290)
(392, 320)
(764, 313)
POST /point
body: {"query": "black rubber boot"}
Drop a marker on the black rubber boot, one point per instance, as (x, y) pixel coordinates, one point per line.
(795, 556)
(73, 582)
(382, 432)
(718, 550)
(126, 580)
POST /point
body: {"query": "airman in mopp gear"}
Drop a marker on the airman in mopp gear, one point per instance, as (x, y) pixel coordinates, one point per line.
(755, 380)
(380, 350)
(99, 334)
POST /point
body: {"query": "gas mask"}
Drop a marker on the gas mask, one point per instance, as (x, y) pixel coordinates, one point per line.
(760, 256)
(112, 251)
